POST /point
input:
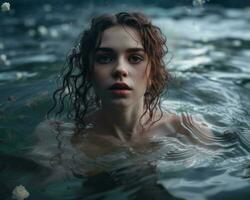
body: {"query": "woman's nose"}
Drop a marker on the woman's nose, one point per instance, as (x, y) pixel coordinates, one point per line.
(120, 69)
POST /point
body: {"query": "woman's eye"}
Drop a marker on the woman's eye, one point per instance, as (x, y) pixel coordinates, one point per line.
(135, 59)
(104, 59)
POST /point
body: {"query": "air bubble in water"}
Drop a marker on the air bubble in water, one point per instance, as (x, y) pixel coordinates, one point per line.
(42, 30)
(54, 33)
(4, 60)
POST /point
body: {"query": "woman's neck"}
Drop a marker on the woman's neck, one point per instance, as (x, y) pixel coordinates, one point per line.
(123, 123)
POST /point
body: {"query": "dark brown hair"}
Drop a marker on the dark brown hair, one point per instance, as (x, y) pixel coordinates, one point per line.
(76, 92)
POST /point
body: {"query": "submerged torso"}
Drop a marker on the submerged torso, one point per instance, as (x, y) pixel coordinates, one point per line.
(92, 151)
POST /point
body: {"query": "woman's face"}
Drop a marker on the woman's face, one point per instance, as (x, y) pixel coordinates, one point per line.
(121, 67)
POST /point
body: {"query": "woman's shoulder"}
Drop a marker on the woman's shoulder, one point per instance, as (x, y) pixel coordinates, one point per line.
(174, 124)
(50, 136)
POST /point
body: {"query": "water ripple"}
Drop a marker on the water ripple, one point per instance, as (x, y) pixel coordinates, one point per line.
(13, 75)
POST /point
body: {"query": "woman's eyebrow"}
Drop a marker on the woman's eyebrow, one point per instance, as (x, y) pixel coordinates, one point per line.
(130, 50)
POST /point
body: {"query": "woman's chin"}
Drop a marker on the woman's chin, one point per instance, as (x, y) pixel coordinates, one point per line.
(119, 103)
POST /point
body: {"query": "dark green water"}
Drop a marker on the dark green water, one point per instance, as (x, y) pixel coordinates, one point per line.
(209, 56)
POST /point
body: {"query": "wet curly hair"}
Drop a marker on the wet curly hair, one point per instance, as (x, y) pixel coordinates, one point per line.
(76, 93)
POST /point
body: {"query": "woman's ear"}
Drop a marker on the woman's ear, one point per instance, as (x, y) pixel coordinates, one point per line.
(149, 82)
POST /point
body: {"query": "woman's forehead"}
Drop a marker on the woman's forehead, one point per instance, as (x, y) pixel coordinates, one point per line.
(121, 38)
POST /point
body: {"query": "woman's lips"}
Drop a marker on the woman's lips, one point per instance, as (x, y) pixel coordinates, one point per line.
(120, 91)
(119, 86)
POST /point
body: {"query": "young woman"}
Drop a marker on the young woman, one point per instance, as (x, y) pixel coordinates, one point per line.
(112, 87)
(111, 90)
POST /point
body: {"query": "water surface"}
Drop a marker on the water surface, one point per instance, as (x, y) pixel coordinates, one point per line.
(209, 56)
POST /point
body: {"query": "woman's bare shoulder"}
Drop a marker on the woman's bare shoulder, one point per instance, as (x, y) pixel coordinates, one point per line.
(174, 124)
